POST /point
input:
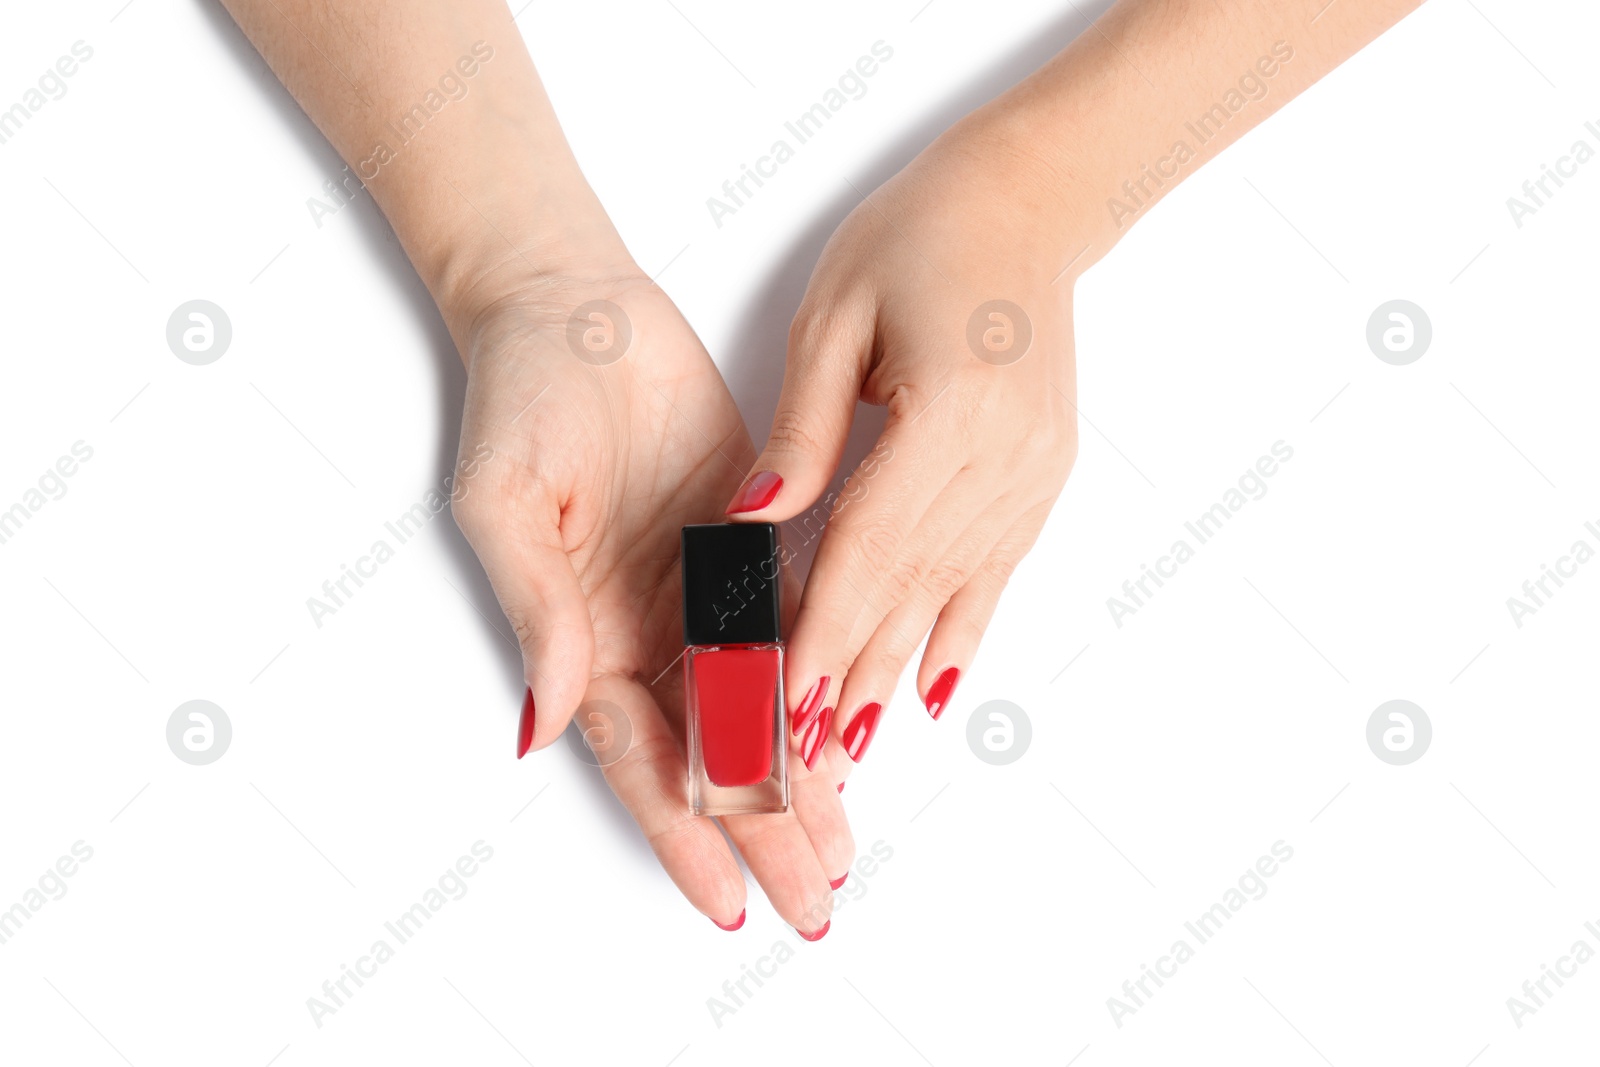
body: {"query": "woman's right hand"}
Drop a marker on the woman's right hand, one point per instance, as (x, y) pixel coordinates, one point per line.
(578, 469)
(596, 426)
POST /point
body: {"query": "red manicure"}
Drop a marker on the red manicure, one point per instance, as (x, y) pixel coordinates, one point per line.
(525, 726)
(756, 494)
(858, 735)
(841, 787)
(810, 705)
(939, 692)
(818, 935)
(837, 882)
(811, 746)
(733, 925)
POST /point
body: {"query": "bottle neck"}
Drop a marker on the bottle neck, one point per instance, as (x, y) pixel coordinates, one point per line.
(758, 646)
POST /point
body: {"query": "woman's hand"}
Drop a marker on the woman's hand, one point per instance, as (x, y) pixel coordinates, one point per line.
(596, 426)
(1010, 205)
(942, 296)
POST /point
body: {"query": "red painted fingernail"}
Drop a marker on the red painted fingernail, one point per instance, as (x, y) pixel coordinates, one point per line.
(810, 705)
(811, 746)
(841, 787)
(756, 494)
(858, 735)
(839, 881)
(816, 936)
(733, 925)
(525, 726)
(939, 692)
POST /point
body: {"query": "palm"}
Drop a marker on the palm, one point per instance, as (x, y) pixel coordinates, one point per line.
(663, 446)
(596, 464)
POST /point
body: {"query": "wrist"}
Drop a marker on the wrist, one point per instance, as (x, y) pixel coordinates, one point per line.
(498, 230)
(499, 207)
(1021, 153)
(471, 272)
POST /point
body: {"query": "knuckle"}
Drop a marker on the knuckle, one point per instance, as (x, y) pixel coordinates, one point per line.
(819, 325)
(993, 575)
(943, 578)
(872, 544)
(655, 757)
(808, 325)
(794, 433)
(998, 569)
(900, 580)
(682, 834)
(522, 624)
(974, 417)
(663, 837)
(923, 581)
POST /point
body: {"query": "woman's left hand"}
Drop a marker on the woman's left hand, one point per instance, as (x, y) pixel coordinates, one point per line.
(944, 297)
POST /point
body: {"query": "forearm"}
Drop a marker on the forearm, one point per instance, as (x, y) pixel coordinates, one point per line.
(437, 108)
(1154, 90)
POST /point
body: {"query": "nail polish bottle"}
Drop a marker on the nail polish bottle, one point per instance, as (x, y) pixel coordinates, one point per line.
(733, 670)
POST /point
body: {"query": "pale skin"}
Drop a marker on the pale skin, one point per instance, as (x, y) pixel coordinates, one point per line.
(596, 465)
(1012, 202)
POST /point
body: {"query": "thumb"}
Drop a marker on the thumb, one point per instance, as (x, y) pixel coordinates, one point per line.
(822, 378)
(520, 547)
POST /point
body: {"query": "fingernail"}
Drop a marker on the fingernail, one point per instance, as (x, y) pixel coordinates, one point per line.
(756, 494)
(939, 692)
(810, 705)
(816, 936)
(839, 881)
(525, 726)
(858, 735)
(841, 787)
(733, 925)
(811, 747)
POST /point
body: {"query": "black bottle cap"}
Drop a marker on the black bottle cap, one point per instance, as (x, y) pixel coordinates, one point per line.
(730, 584)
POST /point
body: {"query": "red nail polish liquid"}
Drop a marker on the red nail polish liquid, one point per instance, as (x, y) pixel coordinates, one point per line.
(733, 670)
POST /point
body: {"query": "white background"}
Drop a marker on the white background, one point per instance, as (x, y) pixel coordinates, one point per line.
(1228, 714)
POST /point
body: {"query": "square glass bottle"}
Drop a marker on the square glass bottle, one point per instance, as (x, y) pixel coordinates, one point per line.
(733, 670)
